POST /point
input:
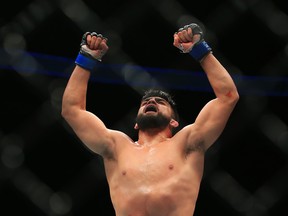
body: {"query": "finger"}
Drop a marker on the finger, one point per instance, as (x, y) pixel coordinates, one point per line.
(104, 40)
(88, 39)
(84, 38)
(177, 43)
(176, 40)
(103, 45)
(95, 40)
(190, 32)
(187, 36)
(182, 38)
(196, 38)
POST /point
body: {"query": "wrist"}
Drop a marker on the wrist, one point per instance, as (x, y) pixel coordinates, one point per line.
(200, 50)
(86, 62)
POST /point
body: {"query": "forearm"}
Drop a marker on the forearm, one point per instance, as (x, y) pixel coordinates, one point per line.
(189, 39)
(75, 93)
(220, 80)
(92, 48)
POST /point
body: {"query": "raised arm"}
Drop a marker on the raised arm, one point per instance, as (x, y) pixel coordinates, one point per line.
(212, 119)
(88, 127)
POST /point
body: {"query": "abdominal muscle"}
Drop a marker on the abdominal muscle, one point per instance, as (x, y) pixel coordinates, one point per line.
(154, 184)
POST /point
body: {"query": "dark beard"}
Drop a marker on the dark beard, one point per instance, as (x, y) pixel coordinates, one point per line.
(145, 122)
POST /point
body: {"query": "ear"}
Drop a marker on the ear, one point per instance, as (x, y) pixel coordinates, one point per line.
(136, 126)
(174, 123)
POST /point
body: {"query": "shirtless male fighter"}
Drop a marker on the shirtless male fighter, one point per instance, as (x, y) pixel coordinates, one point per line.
(160, 173)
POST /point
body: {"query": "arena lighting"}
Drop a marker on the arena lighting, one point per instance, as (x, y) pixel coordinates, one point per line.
(136, 76)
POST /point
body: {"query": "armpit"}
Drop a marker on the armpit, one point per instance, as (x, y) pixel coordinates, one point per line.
(197, 146)
(108, 154)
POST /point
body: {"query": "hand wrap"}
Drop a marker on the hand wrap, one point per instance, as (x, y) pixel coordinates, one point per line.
(88, 58)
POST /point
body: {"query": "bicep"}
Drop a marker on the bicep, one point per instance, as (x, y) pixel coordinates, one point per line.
(212, 120)
(91, 131)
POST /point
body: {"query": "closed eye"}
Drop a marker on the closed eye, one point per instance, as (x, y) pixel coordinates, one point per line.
(160, 101)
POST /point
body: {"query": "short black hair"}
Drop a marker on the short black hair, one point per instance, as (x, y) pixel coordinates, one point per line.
(165, 95)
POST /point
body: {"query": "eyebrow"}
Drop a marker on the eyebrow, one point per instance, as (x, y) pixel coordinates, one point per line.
(157, 98)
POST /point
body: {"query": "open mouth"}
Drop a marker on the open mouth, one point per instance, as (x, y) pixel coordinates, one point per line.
(150, 108)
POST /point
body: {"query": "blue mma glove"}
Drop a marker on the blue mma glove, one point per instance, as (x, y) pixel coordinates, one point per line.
(88, 58)
(200, 48)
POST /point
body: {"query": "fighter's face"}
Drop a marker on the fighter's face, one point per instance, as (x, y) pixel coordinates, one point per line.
(154, 112)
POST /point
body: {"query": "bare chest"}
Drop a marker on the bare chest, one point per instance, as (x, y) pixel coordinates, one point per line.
(157, 177)
(155, 172)
(151, 163)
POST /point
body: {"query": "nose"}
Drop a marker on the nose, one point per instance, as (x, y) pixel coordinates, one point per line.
(151, 100)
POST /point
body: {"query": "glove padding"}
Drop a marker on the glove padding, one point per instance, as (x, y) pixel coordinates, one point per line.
(92, 52)
(98, 53)
(199, 48)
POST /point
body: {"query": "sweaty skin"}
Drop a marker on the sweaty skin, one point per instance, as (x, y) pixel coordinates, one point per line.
(160, 174)
(162, 178)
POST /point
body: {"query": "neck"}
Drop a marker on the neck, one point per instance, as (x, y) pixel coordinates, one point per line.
(153, 136)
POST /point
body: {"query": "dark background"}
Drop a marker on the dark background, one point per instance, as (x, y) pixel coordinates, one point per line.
(45, 169)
